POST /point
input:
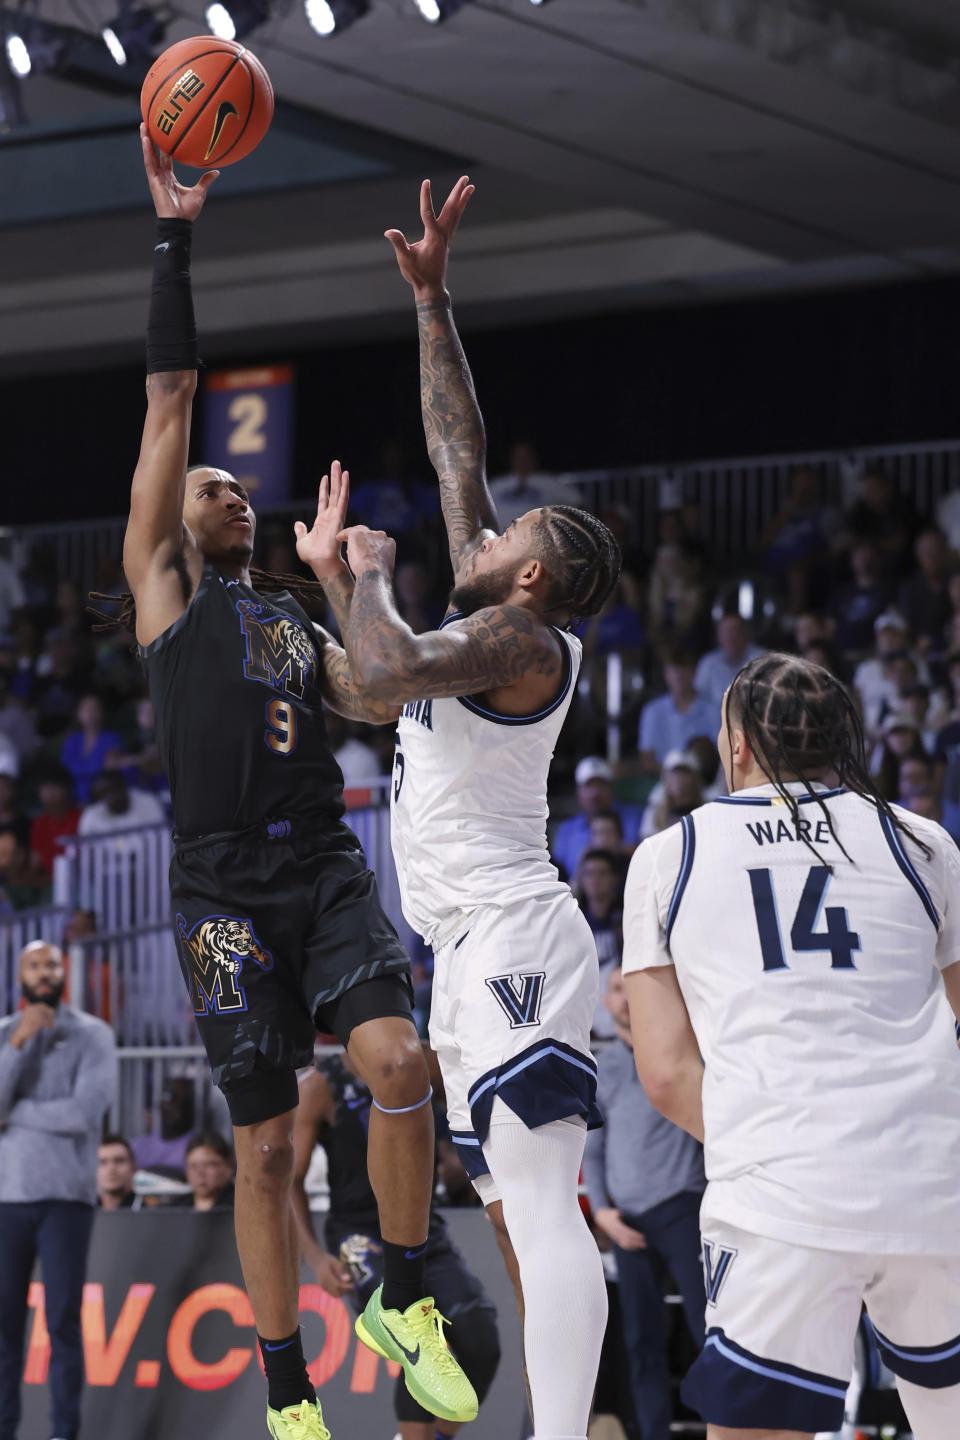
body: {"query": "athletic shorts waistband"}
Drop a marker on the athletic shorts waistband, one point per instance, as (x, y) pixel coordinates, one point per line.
(278, 827)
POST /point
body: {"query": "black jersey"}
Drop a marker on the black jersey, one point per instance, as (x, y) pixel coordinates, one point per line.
(240, 730)
(353, 1204)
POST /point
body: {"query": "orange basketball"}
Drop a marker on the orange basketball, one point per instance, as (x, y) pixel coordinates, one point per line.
(207, 102)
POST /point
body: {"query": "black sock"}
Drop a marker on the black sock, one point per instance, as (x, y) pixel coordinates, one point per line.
(404, 1275)
(287, 1379)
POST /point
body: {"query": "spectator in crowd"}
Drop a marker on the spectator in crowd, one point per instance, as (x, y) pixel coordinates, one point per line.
(900, 741)
(55, 684)
(114, 806)
(948, 520)
(821, 652)
(676, 597)
(616, 627)
(644, 1178)
(887, 518)
(11, 813)
(141, 760)
(525, 486)
(393, 501)
(9, 759)
(16, 724)
(411, 585)
(599, 889)
(811, 627)
(168, 1150)
(210, 1170)
(718, 668)
(856, 605)
(679, 792)
(797, 538)
(670, 721)
(115, 1171)
(13, 597)
(948, 735)
(874, 679)
(57, 1079)
(924, 595)
(23, 883)
(57, 819)
(594, 781)
(606, 833)
(89, 749)
(707, 756)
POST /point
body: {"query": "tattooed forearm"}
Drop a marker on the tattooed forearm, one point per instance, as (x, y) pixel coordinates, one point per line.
(453, 427)
(342, 693)
(493, 648)
(338, 590)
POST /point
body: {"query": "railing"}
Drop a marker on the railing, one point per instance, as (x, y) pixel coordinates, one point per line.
(738, 498)
(142, 1074)
(121, 877)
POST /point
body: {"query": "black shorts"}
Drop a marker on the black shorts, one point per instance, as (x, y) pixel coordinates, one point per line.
(273, 926)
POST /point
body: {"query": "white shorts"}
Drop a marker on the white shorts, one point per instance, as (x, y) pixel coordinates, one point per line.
(513, 1000)
(782, 1320)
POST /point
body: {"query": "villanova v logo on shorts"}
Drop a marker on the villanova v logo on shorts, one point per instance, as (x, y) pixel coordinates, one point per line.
(521, 1006)
(717, 1260)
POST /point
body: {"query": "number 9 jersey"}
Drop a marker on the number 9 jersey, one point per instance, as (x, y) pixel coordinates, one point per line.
(831, 1092)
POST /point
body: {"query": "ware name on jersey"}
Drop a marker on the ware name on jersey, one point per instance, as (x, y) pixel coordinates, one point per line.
(832, 1078)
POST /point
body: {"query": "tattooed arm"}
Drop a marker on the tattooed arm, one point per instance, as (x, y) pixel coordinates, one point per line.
(452, 422)
(503, 649)
(341, 691)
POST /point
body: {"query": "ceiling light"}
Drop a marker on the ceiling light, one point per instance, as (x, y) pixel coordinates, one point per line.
(18, 56)
(437, 10)
(220, 20)
(134, 36)
(233, 21)
(112, 41)
(328, 17)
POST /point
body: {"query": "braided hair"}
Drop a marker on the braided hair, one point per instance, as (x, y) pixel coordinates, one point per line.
(308, 593)
(581, 557)
(799, 720)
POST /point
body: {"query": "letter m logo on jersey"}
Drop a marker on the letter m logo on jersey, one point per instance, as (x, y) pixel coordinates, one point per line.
(520, 1003)
(717, 1260)
(213, 954)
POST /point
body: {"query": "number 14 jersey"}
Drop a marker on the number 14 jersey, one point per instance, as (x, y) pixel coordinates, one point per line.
(831, 1092)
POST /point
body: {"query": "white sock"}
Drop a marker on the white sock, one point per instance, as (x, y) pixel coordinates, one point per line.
(565, 1298)
(933, 1414)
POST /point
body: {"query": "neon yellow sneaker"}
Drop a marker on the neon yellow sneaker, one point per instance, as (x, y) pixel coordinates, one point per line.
(298, 1422)
(414, 1338)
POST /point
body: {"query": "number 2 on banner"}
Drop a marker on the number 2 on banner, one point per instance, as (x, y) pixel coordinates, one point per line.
(282, 735)
(249, 412)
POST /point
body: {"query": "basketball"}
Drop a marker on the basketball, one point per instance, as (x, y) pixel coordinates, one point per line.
(207, 102)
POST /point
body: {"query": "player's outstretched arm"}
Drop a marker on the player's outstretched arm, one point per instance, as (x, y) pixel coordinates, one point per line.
(452, 422)
(319, 547)
(501, 646)
(159, 558)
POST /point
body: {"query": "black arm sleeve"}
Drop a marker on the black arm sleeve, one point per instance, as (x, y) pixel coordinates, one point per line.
(171, 328)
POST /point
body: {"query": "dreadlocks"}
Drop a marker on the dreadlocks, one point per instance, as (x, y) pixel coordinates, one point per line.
(799, 720)
(582, 558)
(308, 593)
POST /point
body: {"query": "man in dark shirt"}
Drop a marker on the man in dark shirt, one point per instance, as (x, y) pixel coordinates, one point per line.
(277, 918)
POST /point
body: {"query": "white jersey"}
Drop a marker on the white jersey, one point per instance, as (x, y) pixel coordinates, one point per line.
(469, 805)
(831, 1095)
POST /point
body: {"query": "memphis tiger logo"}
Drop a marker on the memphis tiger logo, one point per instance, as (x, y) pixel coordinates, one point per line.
(280, 653)
(214, 953)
